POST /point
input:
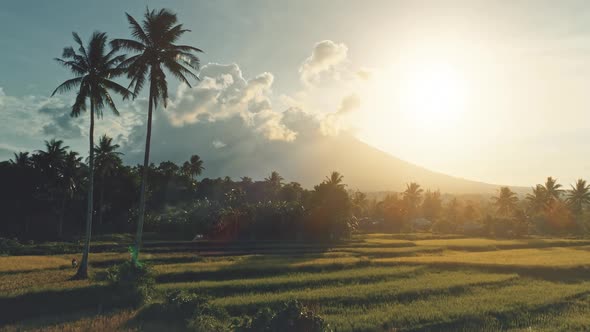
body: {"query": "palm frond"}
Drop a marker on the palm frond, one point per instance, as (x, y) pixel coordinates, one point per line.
(136, 29)
(179, 71)
(127, 44)
(68, 85)
(78, 40)
(73, 66)
(187, 48)
(111, 85)
(110, 102)
(80, 103)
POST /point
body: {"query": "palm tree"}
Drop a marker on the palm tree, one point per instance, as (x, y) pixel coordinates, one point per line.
(578, 196)
(93, 68)
(52, 159)
(51, 162)
(553, 189)
(107, 160)
(275, 180)
(538, 200)
(335, 179)
(21, 159)
(506, 202)
(194, 167)
(412, 197)
(154, 42)
(246, 180)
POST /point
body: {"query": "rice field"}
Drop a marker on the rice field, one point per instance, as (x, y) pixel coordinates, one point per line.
(373, 282)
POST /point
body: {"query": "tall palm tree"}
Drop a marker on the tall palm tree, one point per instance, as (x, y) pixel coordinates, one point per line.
(506, 202)
(335, 179)
(154, 41)
(93, 68)
(538, 200)
(194, 167)
(553, 188)
(107, 160)
(578, 196)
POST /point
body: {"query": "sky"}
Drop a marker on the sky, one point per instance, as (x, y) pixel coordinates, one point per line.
(494, 91)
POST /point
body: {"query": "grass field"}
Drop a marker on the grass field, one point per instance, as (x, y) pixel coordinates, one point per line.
(413, 282)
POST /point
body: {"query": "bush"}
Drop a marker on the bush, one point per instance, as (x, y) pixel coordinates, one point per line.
(192, 310)
(132, 281)
(292, 316)
(8, 246)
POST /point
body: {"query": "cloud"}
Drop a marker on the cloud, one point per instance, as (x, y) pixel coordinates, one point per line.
(28, 120)
(349, 104)
(223, 93)
(218, 144)
(334, 123)
(269, 124)
(61, 124)
(326, 56)
(364, 74)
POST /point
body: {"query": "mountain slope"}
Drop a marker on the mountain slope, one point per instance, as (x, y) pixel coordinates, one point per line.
(229, 148)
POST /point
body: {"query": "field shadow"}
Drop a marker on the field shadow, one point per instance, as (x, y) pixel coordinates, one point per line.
(94, 299)
(504, 320)
(570, 275)
(367, 302)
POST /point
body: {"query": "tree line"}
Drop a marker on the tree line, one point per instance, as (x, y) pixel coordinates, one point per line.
(44, 195)
(547, 210)
(45, 191)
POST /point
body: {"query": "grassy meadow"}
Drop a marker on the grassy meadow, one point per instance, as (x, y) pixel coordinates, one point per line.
(373, 282)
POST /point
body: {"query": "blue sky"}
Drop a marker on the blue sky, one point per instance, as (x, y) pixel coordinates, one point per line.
(488, 90)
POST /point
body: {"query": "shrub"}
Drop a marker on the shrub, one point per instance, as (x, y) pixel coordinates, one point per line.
(132, 281)
(8, 246)
(191, 309)
(292, 316)
(444, 226)
(183, 304)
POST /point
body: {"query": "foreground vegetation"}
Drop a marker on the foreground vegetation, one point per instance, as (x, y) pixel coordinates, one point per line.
(369, 282)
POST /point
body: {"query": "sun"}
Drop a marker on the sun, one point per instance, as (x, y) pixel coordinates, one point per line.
(432, 94)
(426, 95)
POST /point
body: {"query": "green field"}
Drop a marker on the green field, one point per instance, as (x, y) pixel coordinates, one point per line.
(415, 282)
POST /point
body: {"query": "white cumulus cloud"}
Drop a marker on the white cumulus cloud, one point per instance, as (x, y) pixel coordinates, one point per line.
(326, 56)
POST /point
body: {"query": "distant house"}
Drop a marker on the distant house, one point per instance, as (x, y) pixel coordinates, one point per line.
(421, 224)
(370, 224)
(472, 228)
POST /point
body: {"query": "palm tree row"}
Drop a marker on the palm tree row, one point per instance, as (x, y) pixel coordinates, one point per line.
(543, 195)
(94, 67)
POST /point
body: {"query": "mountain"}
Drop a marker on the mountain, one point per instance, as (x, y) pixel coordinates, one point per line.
(229, 148)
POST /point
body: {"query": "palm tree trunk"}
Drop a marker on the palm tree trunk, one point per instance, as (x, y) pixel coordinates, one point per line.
(62, 212)
(144, 179)
(83, 269)
(101, 201)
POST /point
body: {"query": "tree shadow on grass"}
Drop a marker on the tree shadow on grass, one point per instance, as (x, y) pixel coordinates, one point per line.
(259, 266)
(95, 299)
(507, 319)
(569, 275)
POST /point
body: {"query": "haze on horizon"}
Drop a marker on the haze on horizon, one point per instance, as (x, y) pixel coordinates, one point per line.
(490, 91)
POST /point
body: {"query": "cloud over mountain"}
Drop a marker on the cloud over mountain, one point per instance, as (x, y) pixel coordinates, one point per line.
(325, 57)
